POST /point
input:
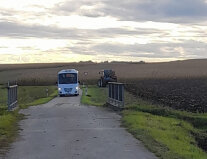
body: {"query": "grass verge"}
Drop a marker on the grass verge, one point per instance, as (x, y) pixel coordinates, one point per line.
(27, 96)
(167, 137)
(169, 133)
(95, 96)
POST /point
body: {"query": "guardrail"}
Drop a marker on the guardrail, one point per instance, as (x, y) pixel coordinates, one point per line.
(12, 95)
(116, 94)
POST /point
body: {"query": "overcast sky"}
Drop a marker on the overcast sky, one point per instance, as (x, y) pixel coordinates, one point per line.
(100, 30)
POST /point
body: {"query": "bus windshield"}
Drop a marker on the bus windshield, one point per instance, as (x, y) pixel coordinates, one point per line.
(67, 78)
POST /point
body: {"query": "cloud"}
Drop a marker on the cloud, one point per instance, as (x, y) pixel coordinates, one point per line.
(187, 49)
(179, 11)
(89, 8)
(15, 30)
(165, 29)
(110, 42)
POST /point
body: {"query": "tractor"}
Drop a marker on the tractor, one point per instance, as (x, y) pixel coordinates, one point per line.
(106, 76)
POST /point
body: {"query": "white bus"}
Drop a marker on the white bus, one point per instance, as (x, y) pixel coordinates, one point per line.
(68, 82)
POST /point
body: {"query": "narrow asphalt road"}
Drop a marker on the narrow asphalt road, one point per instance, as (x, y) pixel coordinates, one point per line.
(65, 129)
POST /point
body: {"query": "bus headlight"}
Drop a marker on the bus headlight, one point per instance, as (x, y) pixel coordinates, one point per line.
(76, 88)
(59, 89)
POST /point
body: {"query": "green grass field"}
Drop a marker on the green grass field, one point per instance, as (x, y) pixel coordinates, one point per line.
(169, 133)
(27, 96)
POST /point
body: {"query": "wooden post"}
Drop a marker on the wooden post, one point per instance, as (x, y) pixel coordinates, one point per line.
(47, 92)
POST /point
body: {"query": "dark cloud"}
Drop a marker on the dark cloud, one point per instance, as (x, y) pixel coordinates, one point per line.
(9, 29)
(187, 49)
(14, 30)
(158, 10)
(179, 11)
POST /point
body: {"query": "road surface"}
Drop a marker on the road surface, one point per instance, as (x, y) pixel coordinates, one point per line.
(65, 129)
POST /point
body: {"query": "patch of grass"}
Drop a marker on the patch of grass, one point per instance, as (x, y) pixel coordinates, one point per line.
(35, 95)
(3, 99)
(167, 137)
(28, 94)
(8, 129)
(96, 96)
(198, 120)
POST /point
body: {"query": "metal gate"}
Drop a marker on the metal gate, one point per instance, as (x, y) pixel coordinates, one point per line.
(116, 94)
(12, 95)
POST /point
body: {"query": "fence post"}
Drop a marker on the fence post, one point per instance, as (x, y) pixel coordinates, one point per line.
(47, 94)
(8, 95)
(86, 90)
(16, 92)
(123, 95)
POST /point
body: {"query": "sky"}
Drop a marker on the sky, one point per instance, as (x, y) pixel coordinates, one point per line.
(45, 31)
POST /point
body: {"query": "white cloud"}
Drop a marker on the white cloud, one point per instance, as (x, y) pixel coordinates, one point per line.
(28, 4)
(21, 46)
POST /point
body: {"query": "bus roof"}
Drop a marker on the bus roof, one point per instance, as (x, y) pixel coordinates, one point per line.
(68, 71)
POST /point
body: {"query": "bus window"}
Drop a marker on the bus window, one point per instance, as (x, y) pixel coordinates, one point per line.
(68, 78)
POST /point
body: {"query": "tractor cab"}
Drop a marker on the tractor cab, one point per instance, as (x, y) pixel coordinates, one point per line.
(106, 76)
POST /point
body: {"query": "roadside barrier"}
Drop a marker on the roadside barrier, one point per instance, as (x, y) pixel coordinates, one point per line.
(116, 94)
(12, 96)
